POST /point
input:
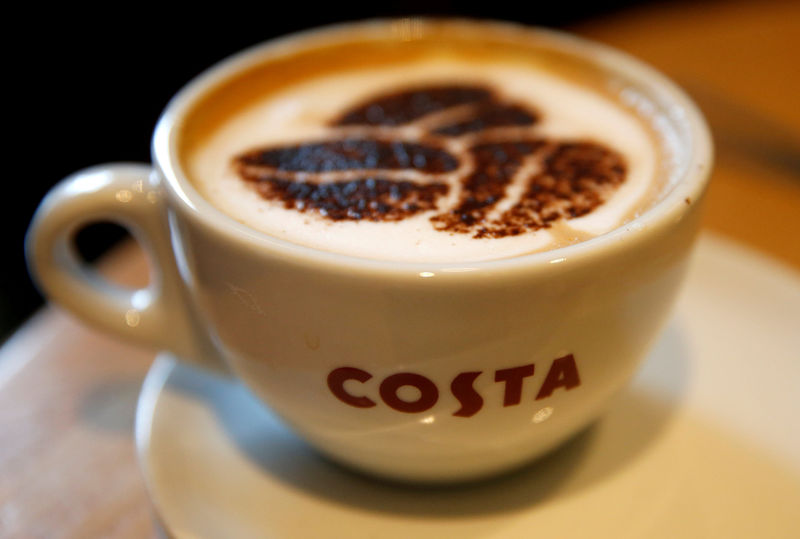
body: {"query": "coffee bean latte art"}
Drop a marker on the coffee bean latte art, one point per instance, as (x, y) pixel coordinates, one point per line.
(436, 159)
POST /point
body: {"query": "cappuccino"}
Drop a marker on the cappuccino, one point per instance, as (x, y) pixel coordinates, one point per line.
(436, 148)
(344, 221)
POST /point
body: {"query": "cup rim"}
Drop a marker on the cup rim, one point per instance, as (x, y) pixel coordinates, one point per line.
(688, 189)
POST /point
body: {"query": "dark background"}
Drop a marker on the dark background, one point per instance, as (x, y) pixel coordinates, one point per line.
(87, 87)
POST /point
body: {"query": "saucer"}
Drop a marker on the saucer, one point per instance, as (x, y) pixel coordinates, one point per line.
(705, 442)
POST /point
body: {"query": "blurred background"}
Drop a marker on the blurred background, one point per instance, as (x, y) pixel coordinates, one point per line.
(87, 87)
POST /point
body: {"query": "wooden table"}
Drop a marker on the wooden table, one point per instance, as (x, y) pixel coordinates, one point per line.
(68, 394)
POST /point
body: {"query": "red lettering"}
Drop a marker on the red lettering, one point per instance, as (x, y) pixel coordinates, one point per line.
(563, 373)
(427, 389)
(513, 378)
(471, 401)
(338, 377)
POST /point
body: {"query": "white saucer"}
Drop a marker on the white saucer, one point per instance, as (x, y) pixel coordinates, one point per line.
(704, 443)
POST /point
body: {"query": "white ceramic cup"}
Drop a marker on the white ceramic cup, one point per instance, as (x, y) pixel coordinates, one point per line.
(424, 372)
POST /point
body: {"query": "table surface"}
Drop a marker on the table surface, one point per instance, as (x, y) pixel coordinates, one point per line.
(68, 393)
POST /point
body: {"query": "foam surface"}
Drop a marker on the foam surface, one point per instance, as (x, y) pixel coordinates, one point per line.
(304, 113)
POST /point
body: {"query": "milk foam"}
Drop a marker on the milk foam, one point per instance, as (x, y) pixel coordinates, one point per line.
(303, 113)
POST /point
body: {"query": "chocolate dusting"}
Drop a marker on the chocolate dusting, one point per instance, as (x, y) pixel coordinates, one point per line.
(490, 115)
(375, 199)
(569, 179)
(351, 154)
(575, 179)
(495, 165)
(403, 107)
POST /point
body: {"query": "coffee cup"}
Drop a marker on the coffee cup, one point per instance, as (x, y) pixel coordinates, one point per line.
(479, 354)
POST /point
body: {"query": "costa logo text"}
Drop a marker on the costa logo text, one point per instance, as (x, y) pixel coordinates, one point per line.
(563, 373)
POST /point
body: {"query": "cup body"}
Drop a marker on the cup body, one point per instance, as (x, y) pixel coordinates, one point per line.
(428, 372)
(287, 325)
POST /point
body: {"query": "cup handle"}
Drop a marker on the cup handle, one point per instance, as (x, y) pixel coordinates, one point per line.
(159, 315)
